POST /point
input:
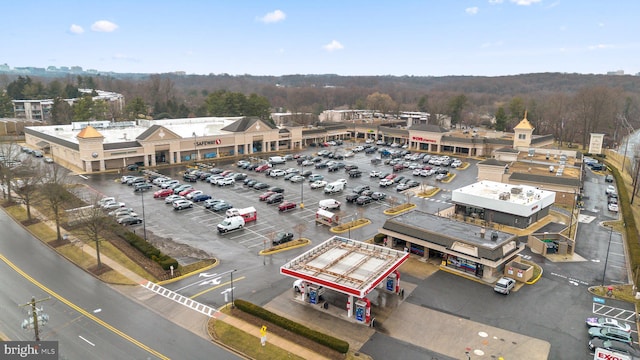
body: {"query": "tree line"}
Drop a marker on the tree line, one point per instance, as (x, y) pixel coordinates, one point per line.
(569, 106)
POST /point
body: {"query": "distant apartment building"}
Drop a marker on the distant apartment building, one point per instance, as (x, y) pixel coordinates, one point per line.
(40, 110)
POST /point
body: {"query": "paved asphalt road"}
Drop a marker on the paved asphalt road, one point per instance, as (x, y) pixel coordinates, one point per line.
(88, 318)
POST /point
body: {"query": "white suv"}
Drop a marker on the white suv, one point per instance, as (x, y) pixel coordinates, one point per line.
(277, 173)
(504, 285)
(182, 204)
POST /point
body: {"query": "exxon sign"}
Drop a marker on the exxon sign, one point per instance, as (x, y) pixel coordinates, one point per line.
(602, 354)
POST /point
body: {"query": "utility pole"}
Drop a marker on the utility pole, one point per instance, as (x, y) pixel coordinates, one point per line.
(37, 316)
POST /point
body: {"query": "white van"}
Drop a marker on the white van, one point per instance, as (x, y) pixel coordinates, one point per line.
(231, 223)
(329, 204)
(277, 160)
(334, 187)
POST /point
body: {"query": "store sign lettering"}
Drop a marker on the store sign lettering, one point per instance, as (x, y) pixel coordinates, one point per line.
(535, 207)
(419, 138)
(209, 142)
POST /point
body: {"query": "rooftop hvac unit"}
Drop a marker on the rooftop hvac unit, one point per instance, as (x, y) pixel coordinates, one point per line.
(516, 190)
(494, 236)
(504, 196)
(529, 193)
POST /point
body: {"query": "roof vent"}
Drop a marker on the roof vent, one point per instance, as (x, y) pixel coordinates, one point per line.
(494, 236)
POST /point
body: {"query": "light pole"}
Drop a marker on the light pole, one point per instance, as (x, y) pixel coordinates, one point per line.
(606, 260)
(195, 145)
(301, 188)
(573, 209)
(144, 220)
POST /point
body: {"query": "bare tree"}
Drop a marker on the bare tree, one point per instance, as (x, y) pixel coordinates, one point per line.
(299, 229)
(392, 200)
(596, 108)
(93, 223)
(9, 162)
(29, 175)
(55, 192)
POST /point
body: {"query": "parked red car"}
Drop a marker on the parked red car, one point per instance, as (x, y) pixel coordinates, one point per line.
(287, 205)
(187, 191)
(162, 193)
(391, 176)
(263, 167)
(265, 195)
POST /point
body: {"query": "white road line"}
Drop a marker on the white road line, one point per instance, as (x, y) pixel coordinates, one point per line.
(88, 342)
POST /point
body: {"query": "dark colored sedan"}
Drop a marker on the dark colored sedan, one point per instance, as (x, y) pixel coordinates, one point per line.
(260, 186)
(352, 197)
(282, 237)
(613, 345)
(201, 197)
(221, 206)
(276, 189)
(361, 188)
(129, 220)
(275, 198)
(364, 200)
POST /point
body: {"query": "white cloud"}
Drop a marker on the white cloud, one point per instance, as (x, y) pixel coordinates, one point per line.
(103, 26)
(525, 2)
(471, 10)
(492, 2)
(601, 25)
(76, 29)
(273, 17)
(333, 45)
(599, 46)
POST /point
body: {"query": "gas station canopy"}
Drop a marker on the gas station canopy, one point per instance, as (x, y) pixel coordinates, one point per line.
(345, 265)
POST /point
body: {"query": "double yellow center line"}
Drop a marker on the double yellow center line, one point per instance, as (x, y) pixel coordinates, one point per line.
(82, 311)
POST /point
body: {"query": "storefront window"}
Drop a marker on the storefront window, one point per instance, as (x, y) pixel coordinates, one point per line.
(461, 264)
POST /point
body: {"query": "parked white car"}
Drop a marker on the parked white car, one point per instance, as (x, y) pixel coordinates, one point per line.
(277, 173)
(226, 181)
(193, 194)
(320, 184)
(171, 198)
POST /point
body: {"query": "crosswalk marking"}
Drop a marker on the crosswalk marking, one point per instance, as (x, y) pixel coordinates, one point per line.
(171, 295)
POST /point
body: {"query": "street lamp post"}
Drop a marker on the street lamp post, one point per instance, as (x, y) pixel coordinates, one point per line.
(573, 209)
(606, 260)
(195, 145)
(144, 220)
(301, 188)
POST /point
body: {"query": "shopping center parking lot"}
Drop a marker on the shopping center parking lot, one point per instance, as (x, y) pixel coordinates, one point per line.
(197, 226)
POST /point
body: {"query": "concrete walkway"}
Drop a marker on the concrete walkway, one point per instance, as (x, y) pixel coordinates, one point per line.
(175, 312)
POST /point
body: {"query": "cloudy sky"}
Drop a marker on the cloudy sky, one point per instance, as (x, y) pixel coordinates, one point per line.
(412, 37)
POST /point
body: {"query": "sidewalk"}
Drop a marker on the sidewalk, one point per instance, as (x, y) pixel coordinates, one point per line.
(181, 315)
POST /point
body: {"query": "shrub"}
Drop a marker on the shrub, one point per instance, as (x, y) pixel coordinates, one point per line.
(379, 238)
(323, 339)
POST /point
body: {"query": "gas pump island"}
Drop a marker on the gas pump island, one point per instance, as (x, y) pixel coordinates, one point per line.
(350, 267)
